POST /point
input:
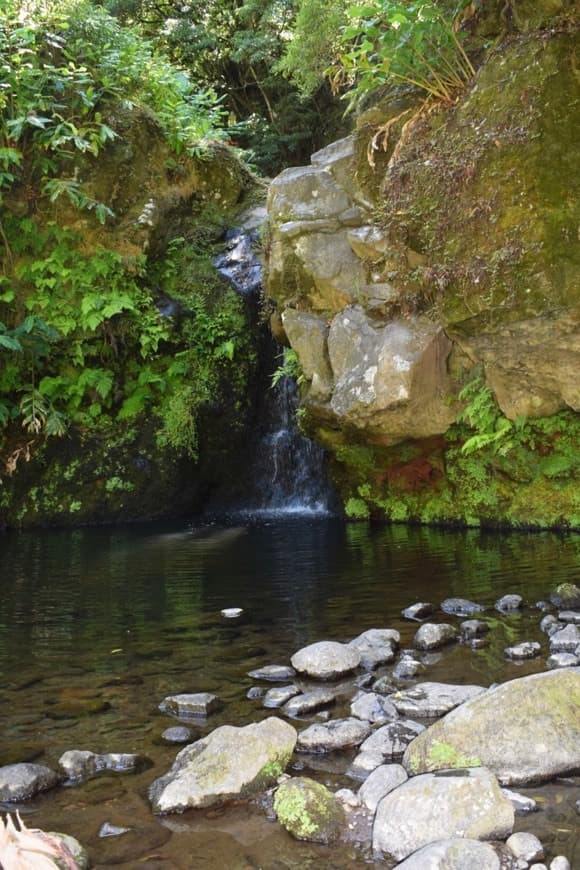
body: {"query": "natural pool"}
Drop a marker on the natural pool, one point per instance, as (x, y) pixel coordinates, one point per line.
(97, 626)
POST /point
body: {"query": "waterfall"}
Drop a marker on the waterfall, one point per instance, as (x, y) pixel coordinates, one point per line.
(283, 472)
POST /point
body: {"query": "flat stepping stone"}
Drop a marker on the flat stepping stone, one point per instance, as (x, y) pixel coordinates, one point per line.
(326, 660)
(461, 607)
(273, 673)
(428, 700)
(190, 705)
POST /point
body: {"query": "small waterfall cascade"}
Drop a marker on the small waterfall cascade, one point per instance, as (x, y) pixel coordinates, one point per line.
(284, 472)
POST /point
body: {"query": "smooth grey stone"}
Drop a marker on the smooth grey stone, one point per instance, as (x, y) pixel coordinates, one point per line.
(326, 660)
(525, 846)
(550, 624)
(433, 635)
(227, 763)
(433, 699)
(563, 660)
(188, 705)
(566, 639)
(418, 611)
(392, 739)
(81, 763)
(278, 696)
(256, 693)
(177, 734)
(109, 830)
(407, 668)
(377, 646)
(538, 867)
(570, 616)
(473, 628)
(453, 854)
(509, 603)
(381, 781)
(437, 806)
(231, 612)
(309, 702)
(364, 763)
(373, 708)
(19, 782)
(273, 673)
(521, 803)
(337, 734)
(526, 650)
(461, 607)
(560, 862)
(347, 797)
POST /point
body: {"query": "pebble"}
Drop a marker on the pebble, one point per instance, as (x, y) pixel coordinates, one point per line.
(231, 612)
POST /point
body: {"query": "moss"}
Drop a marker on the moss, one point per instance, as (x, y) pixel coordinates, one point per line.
(308, 810)
(441, 756)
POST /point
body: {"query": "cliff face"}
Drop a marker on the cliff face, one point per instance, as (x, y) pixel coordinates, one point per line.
(432, 293)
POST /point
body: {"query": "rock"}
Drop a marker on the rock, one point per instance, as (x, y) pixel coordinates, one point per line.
(565, 639)
(81, 763)
(309, 702)
(408, 667)
(384, 685)
(373, 708)
(509, 603)
(526, 730)
(309, 811)
(77, 852)
(453, 854)
(392, 739)
(189, 706)
(570, 616)
(347, 797)
(439, 806)
(526, 650)
(521, 803)
(231, 612)
(473, 628)
(386, 376)
(560, 862)
(461, 607)
(418, 611)
(337, 734)
(326, 660)
(545, 606)
(229, 763)
(365, 763)
(376, 646)
(526, 847)
(550, 624)
(308, 336)
(177, 734)
(273, 673)
(433, 699)
(306, 193)
(256, 693)
(432, 635)
(563, 660)
(566, 596)
(280, 695)
(382, 780)
(19, 782)
(109, 830)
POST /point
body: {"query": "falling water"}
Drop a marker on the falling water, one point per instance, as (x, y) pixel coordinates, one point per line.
(284, 472)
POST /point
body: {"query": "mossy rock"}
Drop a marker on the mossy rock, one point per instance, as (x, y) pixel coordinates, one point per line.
(309, 811)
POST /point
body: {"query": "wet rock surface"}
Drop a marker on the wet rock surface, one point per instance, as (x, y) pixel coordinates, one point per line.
(453, 854)
(432, 635)
(390, 741)
(461, 607)
(20, 782)
(337, 734)
(309, 811)
(429, 700)
(82, 763)
(326, 660)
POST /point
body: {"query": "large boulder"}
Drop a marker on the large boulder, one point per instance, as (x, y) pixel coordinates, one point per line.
(431, 807)
(229, 763)
(453, 854)
(526, 730)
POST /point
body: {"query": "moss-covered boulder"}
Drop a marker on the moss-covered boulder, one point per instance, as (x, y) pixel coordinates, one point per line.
(309, 811)
(229, 763)
(525, 731)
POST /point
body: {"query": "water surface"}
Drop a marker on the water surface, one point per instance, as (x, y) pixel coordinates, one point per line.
(97, 626)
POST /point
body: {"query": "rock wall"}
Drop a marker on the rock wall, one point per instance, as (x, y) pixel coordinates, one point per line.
(436, 247)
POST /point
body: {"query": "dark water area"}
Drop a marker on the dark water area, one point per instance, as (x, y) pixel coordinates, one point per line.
(97, 626)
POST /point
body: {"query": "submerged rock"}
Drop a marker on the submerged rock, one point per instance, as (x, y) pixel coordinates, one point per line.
(338, 734)
(433, 699)
(431, 807)
(309, 811)
(326, 660)
(453, 854)
(432, 635)
(230, 762)
(20, 782)
(526, 730)
(273, 673)
(81, 763)
(177, 734)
